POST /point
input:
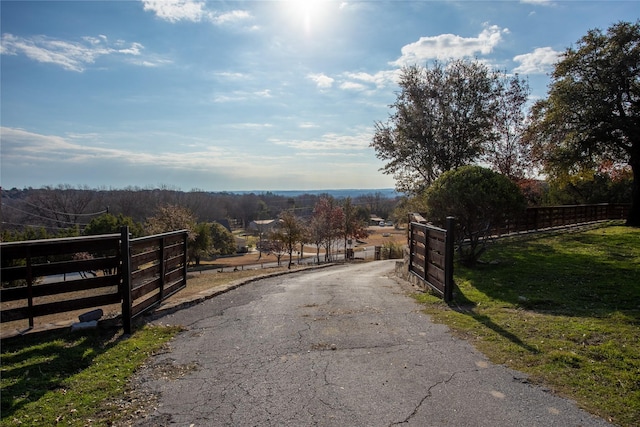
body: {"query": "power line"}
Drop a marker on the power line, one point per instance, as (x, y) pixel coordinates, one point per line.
(66, 213)
(39, 226)
(42, 217)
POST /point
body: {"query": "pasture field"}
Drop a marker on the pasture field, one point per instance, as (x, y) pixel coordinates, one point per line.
(563, 308)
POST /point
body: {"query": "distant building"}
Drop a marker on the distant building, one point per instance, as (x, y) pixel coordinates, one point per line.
(262, 225)
(375, 220)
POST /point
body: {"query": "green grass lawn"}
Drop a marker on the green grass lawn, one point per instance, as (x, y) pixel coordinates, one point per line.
(563, 308)
(73, 378)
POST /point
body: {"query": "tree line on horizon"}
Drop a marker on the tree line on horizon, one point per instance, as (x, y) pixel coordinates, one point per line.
(64, 211)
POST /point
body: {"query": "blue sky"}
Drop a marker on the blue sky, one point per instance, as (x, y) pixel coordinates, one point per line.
(229, 95)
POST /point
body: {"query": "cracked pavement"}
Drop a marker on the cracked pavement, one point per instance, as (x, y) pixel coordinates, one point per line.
(340, 346)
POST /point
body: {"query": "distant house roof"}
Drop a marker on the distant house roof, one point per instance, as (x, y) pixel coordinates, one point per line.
(262, 224)
(224, 222)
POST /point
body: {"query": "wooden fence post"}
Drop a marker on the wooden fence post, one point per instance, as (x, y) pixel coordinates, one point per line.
(185, 259)
(125, 279)
(449, 253)
(411, 244)
(30, 289)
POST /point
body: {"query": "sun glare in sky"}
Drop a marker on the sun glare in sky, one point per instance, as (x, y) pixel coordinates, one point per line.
(307, 13)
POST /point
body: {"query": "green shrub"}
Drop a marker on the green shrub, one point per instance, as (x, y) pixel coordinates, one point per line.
(479, 199)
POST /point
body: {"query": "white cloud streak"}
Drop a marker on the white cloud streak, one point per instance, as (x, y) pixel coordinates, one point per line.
(52, 158)
(74, 56)
(329, 142)
(538, 2)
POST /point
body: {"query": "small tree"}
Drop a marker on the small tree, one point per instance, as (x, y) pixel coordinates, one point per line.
(327, 222)
(108, 224)
(508, 154)
(202, 244)
(275, 245)
(222, 240)
(478, 198)
(354, 226)
(290, 231)
(172, 218)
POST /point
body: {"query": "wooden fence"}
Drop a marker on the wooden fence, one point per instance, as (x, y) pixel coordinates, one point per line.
(431, 256)
(431, 249)
(44, 277)
(540, 218)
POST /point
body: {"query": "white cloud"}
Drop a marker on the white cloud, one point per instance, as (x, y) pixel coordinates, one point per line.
(538, 2)
(176, 10)
(540, 61)
(353, 86)
(238, 95)
(445, 46)
(307, 125)
(321, 80)
(193, 11)
(263, 93)
(380, 79)
(251, 125)
(72, 56)
(231, 17)
(329, 142)
(20, 146)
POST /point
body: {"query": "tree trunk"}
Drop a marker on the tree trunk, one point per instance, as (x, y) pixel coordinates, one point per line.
(633, 220)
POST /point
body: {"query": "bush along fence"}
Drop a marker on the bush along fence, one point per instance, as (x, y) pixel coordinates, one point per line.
(43, 277)
(431, 249)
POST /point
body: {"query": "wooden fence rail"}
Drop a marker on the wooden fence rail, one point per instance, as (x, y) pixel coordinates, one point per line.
(540, 218)
(431, 249)
(44, 277)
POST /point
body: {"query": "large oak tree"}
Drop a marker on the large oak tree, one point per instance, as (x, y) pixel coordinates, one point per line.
(442, 119)
(592, 113)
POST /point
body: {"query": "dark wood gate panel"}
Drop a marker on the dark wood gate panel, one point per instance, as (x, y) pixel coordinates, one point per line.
(158, 269)
(42, 277)
(431, 256)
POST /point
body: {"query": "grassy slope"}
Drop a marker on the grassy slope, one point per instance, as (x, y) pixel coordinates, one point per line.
(73, 378)
(565, 309)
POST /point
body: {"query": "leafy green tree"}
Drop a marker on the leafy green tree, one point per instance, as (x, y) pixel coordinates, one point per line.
(479, 199)
(442, 119)
(222, 240)
(202, 244)
(602, 186)
(592, 113)
(108, 224)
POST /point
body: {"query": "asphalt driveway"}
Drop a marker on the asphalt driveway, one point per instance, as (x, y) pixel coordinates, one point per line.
(340, 346)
